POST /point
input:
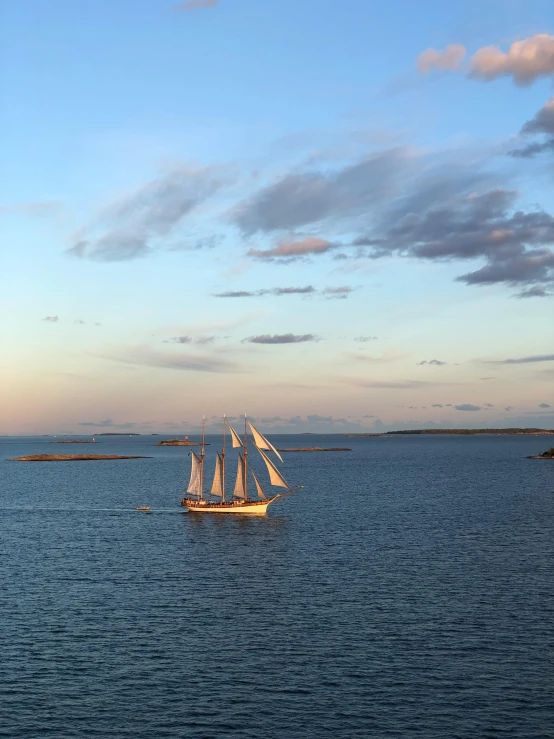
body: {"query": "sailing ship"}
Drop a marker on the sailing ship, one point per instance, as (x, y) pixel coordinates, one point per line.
(243, 498)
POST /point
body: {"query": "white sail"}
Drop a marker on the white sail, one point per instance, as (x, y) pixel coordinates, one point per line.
(275, 476)
(261, 442)
(217, 485)
(261, 493)
(195, 482)
(234, 436)
(238, 492)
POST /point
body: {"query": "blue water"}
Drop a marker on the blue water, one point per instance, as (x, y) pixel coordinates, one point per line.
(407, 591)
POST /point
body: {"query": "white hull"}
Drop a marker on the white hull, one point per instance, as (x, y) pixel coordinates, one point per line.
(251, 507)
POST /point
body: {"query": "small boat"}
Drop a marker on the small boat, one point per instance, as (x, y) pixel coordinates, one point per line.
(241, 501)
(143, 508)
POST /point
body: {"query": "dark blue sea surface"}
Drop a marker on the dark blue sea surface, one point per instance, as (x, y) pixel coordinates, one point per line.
(406, 591)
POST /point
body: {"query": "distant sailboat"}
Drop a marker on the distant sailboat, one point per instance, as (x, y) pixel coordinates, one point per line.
(241, 501)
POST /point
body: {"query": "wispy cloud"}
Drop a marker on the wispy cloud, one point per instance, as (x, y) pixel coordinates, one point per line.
(179, 340)
(108, 423)
(147, 357)
(299, 199)
(197, 5)
(340, 293)
(281, 338)
(385, 358)
(449, 58)
(364, 339)
(133, 226)
(524, 360)
(436, 362)
(236, 294)
(544, 405)
(385, 384)
(308, 291)
(277, 291)
(51, 319)
(467, 407)
(30, 209)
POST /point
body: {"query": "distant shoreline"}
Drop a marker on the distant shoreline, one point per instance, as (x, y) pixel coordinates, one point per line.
(461, 432)
(72, 457)
(318, 449)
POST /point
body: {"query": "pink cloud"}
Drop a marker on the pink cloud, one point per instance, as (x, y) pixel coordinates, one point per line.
(524, 61)
(294, 249)
(449, 58)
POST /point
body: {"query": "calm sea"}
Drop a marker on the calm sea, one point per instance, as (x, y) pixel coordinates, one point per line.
(407, 591)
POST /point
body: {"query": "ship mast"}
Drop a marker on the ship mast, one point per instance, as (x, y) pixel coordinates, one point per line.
(200, 495)
(245, 450)
(223, 462)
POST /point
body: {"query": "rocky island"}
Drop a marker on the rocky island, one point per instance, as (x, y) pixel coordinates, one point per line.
(74, 441)
(71, 457)
(549, 454)
(178, 442)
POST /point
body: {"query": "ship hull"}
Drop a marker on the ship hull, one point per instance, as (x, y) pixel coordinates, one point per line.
(250, 508)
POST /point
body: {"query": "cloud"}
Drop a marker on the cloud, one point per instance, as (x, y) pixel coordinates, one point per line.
(206, 339)
(197, 5)
(512, 242)
(544, 405)
(30, 209)
(386, 357)
(525, 61)
(467, 407)
(109, 423)
(508, 408)
(525, 360)
(449, 58)
(489, 405)
(51, 319)
(281, 338)
(236, 294)
(437, 405)
(147, 357)
(535, 292)
(531, 150)
(364, 339)
(308, 290)
(383, 385)
(338, 292)
(299, 199)
(133, 226)
(79, 322)
(278, 291)
(179, 340)
(294, 249)
(436, 362)
(543, 122)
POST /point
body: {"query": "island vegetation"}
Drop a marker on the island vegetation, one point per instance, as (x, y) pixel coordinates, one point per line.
(472, 432)
(73, 441)
(72, 457)
(178, 442)
(549, 454)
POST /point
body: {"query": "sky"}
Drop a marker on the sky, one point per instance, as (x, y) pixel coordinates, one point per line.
(328, 216)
